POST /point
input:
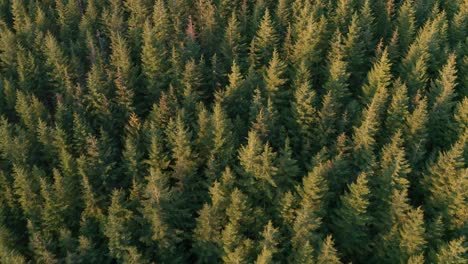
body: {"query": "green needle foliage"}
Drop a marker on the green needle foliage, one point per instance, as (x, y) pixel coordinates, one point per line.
(222, 131)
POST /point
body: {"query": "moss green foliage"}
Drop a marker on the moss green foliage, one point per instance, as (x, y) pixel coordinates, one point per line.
(233, 131)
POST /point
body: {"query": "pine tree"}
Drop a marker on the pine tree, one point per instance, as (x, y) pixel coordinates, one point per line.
(275, 82)
(153, 58)
(222, 152)
(306, 117)
(131, 155)
(310, 32)
(283, 12)
(118, 230)
(405, 22)
(452, 252)
(328, 253)
(237, 247)
(26, 187)
(311, 209)
(445, 182)
(416, 134)
(264, 42)
(364, 136)
(397, 112)
(355, 51)
(258, 163)
(288, 167)
(461, 116)
(209, 226)
(414, 68)
(161, 21)
(342, 15)
(233, 46)
(351, 220)
(336, 89)
(391, 176)
(207, 23)
(157, 198)
(54, 213)
(235, 94)
(268, 245)
(405, 237)
(378, 78)
(58, 64)
(443, 93)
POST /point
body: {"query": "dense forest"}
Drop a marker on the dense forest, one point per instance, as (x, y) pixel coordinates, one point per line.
(234, 131)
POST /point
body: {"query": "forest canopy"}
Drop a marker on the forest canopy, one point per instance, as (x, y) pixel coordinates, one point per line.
(234, 131)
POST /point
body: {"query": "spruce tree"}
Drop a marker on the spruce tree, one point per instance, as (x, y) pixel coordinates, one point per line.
(397, 112)
(233, 46)
(310, 212)
(268, 245)
(452, 252)
(351, 220)
(264, 42)
(442, 100)
(275, 83)
(153, 58)
(405, 22)
(306, 117)
(445, 182)
(328, 253)
(378, 78)
(237, 247)
(118, 228)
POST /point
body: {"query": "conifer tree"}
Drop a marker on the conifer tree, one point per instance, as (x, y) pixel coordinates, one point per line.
(211, 217)
(283, 12)
(328, 253)
(26, 186)
(264, 42)
(223, 148)
(337, 93)
(233, 46)
(391, 177)
(405, 22)
(452, 252)
(59, 67)
(310, 34)
(306, 117)
(118, 225)
(181, 153)
(237, 247)
(445, 181)
(268, 245)
(275, 82)
(161, 21)
(378, 78)
(258, 162)
(416, 133)
(234, 95)
(364, 136)
(288, 167)
(121, 61)
(153, 57)
(397, 112)
(461, 116)
(351, 220)
(342, 15)
(310, 212)
(405, 237)
(442, 99)
(355, 51)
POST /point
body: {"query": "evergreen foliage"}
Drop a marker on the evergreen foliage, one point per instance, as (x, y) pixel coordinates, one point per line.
(222, 131)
